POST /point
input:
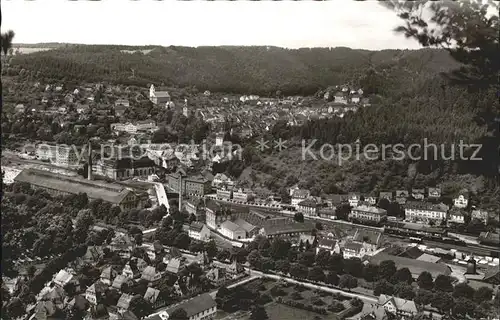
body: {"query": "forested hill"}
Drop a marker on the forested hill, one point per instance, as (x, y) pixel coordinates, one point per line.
(258, 70)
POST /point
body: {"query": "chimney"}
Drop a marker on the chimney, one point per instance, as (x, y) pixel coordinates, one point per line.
(181, 189)
(89, 162)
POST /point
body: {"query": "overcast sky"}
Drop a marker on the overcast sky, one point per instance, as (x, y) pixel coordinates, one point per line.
(347, 23)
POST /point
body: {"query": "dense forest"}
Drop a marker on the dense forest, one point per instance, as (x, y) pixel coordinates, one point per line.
(257, 70)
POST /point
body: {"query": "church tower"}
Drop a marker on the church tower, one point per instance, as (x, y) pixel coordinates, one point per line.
(151, 91)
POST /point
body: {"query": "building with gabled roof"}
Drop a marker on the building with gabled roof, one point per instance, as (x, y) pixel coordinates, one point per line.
(149, 274)
(397, 306)
(202, 306)
(328, 244)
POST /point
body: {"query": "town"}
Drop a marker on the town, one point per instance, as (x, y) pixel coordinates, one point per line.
(160, 232)
(183, 181)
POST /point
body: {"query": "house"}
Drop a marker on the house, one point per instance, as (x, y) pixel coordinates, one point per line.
(216, 276)
(120, 110)
(149, 274)
(214, 214)
(131, 271)
(371, 240)
(174, 265)
(224, 193)
(199, 231)
(124, 302)
(462, 200)
(425, 211)
(434, 193)
(368, 214)
(153, 297)
(456, 216)
(308, 207)
(481, 215)
(355, 98)
(122, 102)
(20, 108)
(353, 249)
(329, 245)
(95, 292)
(340, 97)
(195, 206)
(283, 228)
(417, 194)
(232, 231)
(354, 199)
(119, 281)
(93, 254)
(82, 108)
(370, 200)
(220, 179)
(108, 275)
(242, 195)
(298, 196)
(385, 195)
(397, 306)
(63, 277)
(402, 196)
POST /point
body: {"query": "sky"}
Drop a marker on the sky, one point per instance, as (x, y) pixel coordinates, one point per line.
(291, 24)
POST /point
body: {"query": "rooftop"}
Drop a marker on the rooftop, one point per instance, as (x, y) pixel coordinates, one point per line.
(422, 205)
(415, 266)
(400, 304)
(195, 305)
(109, 192)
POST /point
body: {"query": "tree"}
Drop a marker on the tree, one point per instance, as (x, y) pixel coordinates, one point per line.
(442, 301)
(348, 281)
(336, 263)
(211, 249)
(425, 281)
(405, 291)
(316, 274)
(370, 272)
(463, 28)
(354, 266)
(483, 294)
(283, 266)
(179, 314)
(443, 283)
(424, 297)
(299, 217)
(182, 241)
(298, 270)
(332, 278)
(7, 39)
(464, 306)
(259, 313)
(387, 269)
(403, 275)
(322, 258)
(255, 259)
(16, 308)
(383, 287)
(463, 290)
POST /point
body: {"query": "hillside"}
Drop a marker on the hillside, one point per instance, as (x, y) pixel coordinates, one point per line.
(260, 70)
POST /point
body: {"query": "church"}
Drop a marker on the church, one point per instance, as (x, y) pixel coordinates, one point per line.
(158, 97)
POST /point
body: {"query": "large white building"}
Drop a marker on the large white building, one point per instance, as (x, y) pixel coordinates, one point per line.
(425, 211)
(232, 231)
(367, 213)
